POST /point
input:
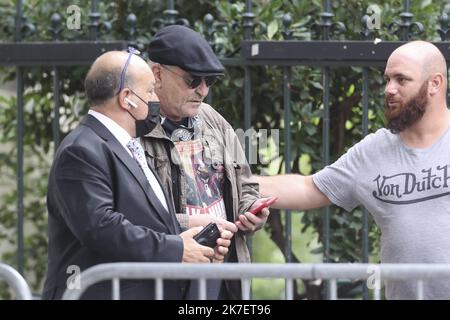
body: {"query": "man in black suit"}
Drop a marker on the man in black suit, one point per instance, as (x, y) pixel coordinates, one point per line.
(104, 204)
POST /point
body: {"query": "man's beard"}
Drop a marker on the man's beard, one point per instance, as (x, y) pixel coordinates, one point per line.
(405, 115)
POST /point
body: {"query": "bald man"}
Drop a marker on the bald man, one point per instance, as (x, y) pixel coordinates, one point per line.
(400, 174)
(105, 204)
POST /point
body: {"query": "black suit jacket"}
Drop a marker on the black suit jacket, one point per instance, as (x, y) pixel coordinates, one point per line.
(102, 209)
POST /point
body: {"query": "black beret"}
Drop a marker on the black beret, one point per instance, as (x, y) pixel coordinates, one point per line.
(181, 46)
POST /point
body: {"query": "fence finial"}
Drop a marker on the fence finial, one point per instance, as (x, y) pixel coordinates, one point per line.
(404, 28)
(55, 28)
(443, 30)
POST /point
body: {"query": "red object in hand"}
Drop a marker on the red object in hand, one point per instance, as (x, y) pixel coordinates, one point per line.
(263, 205)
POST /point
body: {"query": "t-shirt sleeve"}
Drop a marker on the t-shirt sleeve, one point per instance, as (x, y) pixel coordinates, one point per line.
(337, 181)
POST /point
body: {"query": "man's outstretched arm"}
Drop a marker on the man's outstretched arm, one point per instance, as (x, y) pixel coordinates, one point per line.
(294, 191)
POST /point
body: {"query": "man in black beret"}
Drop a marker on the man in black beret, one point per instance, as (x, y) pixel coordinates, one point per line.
(196, 152)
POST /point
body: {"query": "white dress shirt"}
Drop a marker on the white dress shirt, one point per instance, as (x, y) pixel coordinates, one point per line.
(124, 137)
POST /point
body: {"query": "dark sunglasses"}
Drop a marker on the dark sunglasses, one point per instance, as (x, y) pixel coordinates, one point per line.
(130, 51)
(194, 81)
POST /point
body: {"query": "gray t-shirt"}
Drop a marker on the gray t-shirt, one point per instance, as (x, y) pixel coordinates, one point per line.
(407, 191)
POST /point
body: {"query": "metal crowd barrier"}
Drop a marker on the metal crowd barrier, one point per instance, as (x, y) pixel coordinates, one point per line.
(16, 282)
(288, 271)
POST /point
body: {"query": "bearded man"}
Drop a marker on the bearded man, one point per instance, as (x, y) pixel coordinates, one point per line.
(400, 174)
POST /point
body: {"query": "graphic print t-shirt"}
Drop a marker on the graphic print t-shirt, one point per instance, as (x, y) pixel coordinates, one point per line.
(204, 180)
(407, 191)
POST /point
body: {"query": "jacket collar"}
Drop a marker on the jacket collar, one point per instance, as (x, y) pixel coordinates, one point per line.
(134, 169)
(159, 133)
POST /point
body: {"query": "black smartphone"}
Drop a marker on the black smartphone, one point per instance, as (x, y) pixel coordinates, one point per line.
(208, 235)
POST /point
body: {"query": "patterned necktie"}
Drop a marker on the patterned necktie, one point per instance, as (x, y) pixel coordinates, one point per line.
(138, 154)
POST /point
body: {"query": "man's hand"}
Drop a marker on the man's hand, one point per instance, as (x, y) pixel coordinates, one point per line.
(249, 222)
(203, 220)
(223, 243)
(193, 252)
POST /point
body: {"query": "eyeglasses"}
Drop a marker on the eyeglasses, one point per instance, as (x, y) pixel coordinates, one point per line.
(131, 51)
(194, 81)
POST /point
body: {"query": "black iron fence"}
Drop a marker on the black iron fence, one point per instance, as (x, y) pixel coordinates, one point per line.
(325, 54)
